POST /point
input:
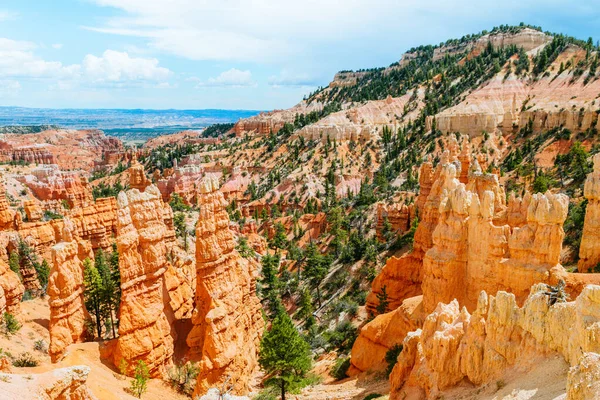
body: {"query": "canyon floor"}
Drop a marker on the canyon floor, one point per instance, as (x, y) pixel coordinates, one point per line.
(104, 381)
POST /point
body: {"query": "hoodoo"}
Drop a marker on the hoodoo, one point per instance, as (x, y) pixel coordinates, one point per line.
(227, 318)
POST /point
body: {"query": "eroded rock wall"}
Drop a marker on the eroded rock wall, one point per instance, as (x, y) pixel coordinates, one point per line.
(227, 318)
(589, 250)
(144, 329)
(454, 345)
(65, 289)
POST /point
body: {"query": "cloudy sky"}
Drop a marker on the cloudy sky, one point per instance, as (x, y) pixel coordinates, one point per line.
(235, 54)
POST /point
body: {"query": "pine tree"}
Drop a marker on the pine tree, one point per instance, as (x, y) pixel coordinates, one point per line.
(284, 355)
(270, 283)
(13, 263)
(116, 276)
(93, 293)
(383, 301)
(109, 288)
(316, 268)
(180, 227)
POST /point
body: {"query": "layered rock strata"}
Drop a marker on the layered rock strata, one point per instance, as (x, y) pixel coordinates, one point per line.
(454, 345)
(589, 250)
(144, 329)
(227, 319)
(65, 289)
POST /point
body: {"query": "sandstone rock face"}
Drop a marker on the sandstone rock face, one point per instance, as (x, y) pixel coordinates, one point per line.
(184, 181)
(399, 216)
(65, 289)
(28, 154)
(506, 104)
(227, 318)
(96, 223)
(68, 148)
(144, 330)
(470, 253)
(402, 276)
(11, 290)
(59, 384)
(462, 246)
(589, 251)
(7, 216)
(50, 183)
(455, 345)
(272, 121)
(137, 176)
(361, 123)
(584, 378)
(381, 334)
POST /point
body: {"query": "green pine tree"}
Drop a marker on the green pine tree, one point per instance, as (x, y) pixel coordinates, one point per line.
(93, 293)
(109, 288)
(284, 355)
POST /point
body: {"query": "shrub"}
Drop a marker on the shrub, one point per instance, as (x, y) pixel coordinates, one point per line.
(11, 324)
(25, 360)
(139, 385)
(373, 396)
(391, 357)
(183, 377)
(41, 346)
(340, 368)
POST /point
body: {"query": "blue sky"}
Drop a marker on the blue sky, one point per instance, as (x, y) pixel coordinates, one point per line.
(234, 54)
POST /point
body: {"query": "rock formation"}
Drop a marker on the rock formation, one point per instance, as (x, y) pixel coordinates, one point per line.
(227, 319)
(50, 183)
(65, 289)
(184, 181)
(589, 251)
(454, 345)
(11, 290)
(462, 247)
(137, 176)
(96, 222)
(398, 216)
(144, 329)
(157, 277)
(7, 216)
(59, 384)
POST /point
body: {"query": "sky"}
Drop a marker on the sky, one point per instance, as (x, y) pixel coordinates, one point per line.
(231, 54)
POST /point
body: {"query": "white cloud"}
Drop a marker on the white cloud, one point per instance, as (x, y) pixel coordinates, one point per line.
(280, 30)
(18, 59)
(116, 66)
(57, 46)
(231, 78)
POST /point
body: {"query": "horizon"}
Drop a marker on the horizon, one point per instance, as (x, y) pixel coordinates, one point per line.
(185, 55)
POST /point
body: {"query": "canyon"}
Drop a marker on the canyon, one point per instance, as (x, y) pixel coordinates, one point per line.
(433, 232)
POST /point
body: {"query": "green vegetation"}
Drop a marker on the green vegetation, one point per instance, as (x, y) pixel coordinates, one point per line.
(102, 292)
(104, 190)
(284, 355)
(391, 357)
(178, 204)
(139, 384)
(10, 324)
(217, 130)
(182, 377)
(340, 368)
(24, 258)
(25, 360)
